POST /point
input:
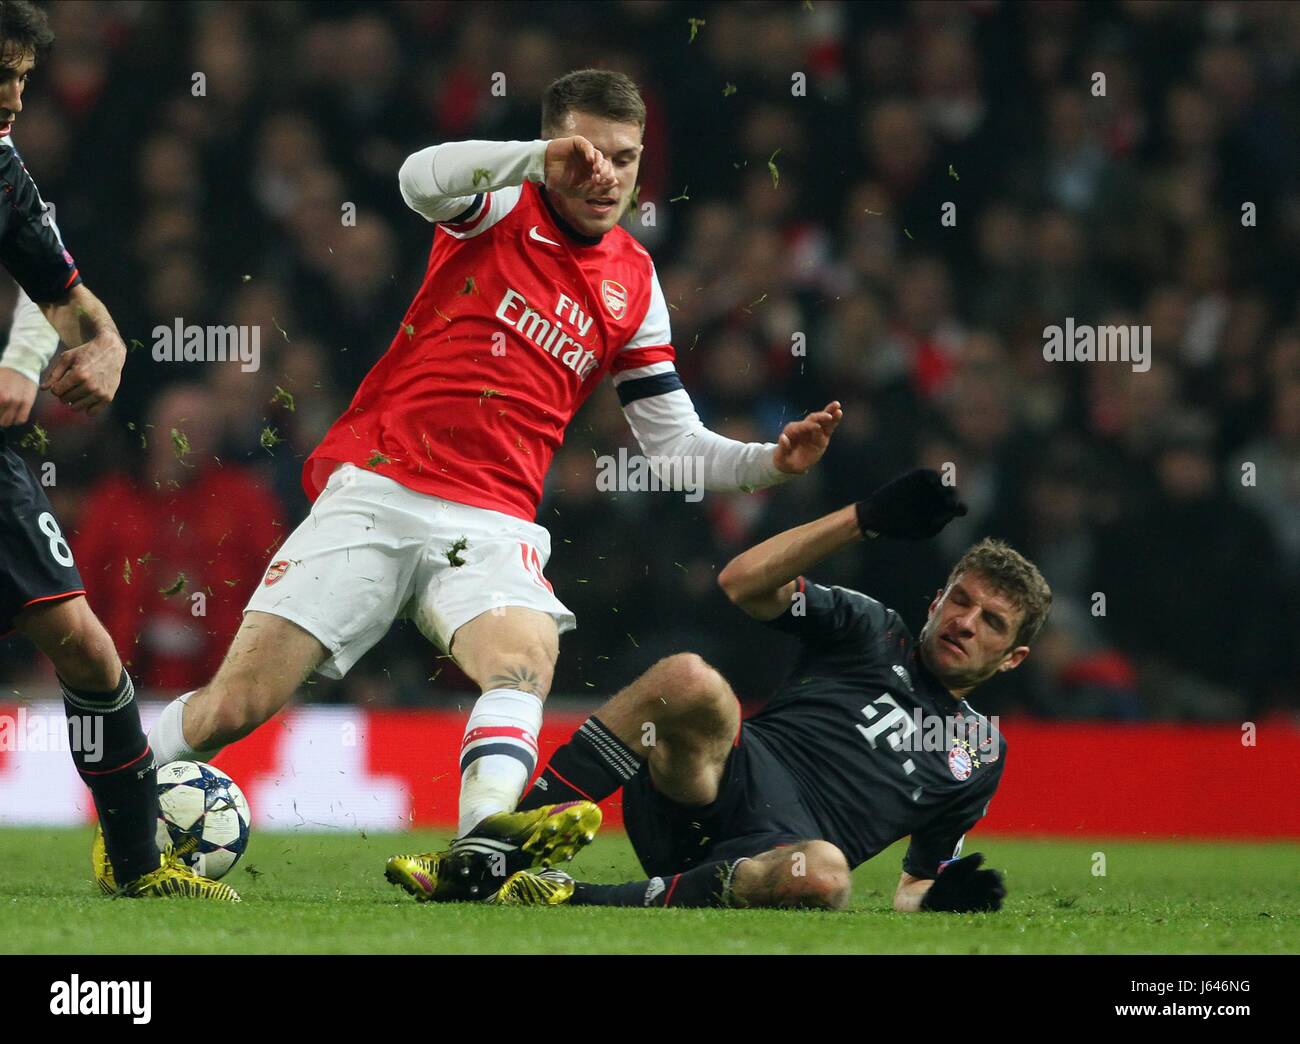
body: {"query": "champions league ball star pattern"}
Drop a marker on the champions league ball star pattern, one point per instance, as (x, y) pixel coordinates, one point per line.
(204, 815)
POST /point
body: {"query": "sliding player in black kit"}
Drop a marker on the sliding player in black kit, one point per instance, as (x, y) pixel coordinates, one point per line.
(869, 740)
(41, 593)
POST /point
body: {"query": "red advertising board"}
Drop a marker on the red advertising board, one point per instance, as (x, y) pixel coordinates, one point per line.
(341, 767)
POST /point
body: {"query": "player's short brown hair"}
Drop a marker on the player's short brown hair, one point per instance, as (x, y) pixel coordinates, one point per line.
(24, 29)
(1013, 575)
(597, 92)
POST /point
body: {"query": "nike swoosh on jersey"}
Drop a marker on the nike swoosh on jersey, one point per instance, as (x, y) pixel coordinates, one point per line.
(534, 234)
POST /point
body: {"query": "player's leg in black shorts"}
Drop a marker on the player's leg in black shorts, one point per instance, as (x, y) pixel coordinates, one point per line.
(755, 844)
(757, 808)
(36, 562)
(41, 595)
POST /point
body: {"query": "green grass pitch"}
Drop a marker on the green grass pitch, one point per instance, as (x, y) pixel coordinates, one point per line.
(327, 894)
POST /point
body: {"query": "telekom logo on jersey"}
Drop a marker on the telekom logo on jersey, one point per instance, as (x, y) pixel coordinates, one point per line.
(548, 334)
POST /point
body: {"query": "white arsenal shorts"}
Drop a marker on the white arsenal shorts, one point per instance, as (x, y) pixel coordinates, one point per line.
(372, 551)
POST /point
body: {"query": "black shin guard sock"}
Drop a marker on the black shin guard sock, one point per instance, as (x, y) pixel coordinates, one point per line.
(707, 885)
(113, 758)
(592, 765)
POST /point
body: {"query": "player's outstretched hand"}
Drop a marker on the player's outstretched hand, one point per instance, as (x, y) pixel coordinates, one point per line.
(962, 887)
(914, 506)
(803, 442)
(575, 167)
(86, 377)
(17, 393)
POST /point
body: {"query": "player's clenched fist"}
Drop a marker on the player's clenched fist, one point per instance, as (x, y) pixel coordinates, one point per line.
(575, 167)
(86, 377)
(803, 442)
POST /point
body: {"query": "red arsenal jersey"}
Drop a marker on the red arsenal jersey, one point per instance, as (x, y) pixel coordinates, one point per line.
(514, 326)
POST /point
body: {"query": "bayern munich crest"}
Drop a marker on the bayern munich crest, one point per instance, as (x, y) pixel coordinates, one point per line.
(615, 296)
(960, 763)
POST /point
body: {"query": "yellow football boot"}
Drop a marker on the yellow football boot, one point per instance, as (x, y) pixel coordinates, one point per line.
(174, 880)
(501, 845)
(99, 864)
(430, 876)
(547, 887)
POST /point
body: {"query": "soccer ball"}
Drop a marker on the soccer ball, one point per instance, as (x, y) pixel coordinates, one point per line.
(204, 815)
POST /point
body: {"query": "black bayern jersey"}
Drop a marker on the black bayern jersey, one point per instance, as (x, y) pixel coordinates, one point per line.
(31, 249)
(36, 563)
(30, 246)
(878, 748)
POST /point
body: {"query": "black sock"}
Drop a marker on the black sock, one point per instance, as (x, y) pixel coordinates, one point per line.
(592, 765)
(113, 758)
(707, 885)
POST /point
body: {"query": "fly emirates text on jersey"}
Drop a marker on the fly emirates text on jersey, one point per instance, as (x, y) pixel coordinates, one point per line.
(547, 334)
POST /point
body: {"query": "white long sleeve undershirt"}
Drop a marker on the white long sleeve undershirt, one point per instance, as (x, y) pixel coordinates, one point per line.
(441, 181)
(668, 426)
(32, 340)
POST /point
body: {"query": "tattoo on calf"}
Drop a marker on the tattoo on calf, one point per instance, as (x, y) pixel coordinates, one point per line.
(525, 679)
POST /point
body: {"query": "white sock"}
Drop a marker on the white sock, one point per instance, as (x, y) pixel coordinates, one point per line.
(167, 738)
(498, 754)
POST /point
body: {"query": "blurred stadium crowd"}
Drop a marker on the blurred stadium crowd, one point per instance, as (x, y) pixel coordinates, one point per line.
(1177, 577)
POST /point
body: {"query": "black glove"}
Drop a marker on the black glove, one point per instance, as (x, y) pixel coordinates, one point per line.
(915, 506)
(962, 887)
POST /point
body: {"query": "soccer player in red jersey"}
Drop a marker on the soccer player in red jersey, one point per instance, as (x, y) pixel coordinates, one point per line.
(426, 489)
